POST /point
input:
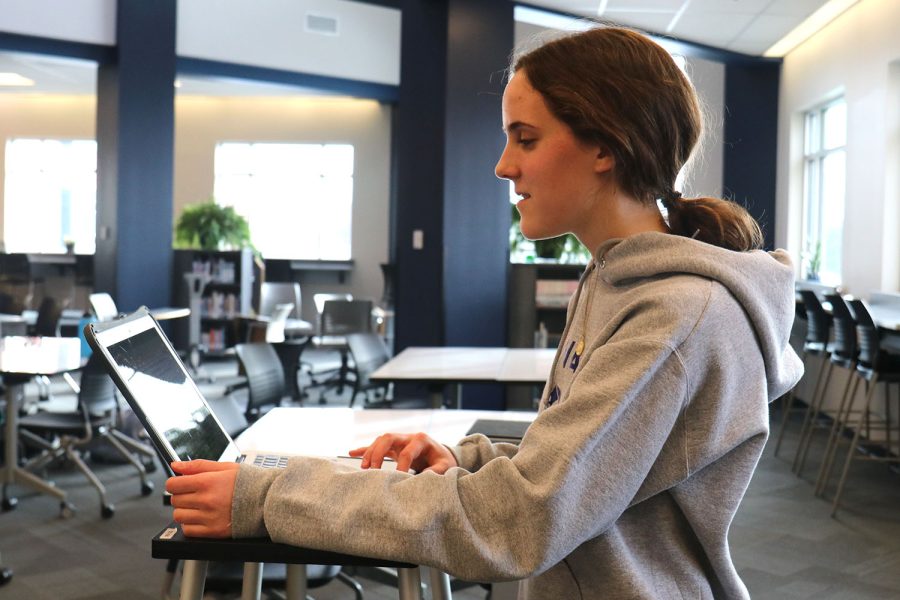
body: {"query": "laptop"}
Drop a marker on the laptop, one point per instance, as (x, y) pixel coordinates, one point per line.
(147, 370)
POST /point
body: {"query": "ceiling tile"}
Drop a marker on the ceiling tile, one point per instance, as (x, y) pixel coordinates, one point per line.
(769, 28)
(644, 5)
(739, 7)
(713, 29)
(653, 22)
(800, 9)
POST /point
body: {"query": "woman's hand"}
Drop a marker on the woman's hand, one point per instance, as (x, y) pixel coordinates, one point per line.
(202, 497)
(416, 451)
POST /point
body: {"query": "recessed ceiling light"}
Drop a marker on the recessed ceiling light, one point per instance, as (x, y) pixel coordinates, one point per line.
(805, 30)
(14, 79)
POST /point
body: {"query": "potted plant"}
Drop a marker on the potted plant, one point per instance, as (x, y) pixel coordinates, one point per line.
(813, 257)
(210, 226)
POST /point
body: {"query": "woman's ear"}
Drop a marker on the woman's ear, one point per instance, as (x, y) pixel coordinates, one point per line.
(605, 161)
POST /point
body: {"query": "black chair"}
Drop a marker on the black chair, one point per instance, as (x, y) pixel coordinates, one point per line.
(873, 366)
(65, 435)
(339, 317)
(843, 352)
(265, 382)
(47, 323)
(368, 352)
(818, 326)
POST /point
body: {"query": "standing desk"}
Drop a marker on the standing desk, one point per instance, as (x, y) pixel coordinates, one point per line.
(455, 365)
(318, 431)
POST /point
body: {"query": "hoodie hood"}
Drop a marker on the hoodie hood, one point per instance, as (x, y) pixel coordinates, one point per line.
(762, 282)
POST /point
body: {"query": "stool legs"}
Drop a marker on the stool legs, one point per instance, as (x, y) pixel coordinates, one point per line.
(812, 412)
(193, 579)
(410, 585)
(834, 436)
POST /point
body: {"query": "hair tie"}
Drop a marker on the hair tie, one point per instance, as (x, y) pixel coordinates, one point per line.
(670, 198)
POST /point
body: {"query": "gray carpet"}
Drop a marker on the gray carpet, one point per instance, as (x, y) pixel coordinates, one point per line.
(783, 541)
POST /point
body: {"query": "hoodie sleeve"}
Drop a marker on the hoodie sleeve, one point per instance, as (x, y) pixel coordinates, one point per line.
(579, 466)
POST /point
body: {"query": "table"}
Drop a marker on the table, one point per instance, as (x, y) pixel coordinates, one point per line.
(317, 431)
(164, 313)
(456, 365)
(22, 358)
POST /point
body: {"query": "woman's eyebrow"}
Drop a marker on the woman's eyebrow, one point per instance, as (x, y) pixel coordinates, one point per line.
(515, 126)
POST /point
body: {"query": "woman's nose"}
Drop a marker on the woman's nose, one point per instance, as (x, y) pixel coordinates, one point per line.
(504, 168)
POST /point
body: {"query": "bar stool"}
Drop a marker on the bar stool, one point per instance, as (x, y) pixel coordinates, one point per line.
(843, 354)
(818, 325)
(874, 366)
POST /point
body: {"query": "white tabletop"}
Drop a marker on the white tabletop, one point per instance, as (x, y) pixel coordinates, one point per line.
(462, 364)
(315, 431)
(443, 364)
(527, 365)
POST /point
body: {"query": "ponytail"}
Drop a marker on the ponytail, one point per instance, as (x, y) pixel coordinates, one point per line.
(718, 222)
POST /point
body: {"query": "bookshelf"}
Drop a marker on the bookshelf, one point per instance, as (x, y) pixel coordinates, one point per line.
(225, 281)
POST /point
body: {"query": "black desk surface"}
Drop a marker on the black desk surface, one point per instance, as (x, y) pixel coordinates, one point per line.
(261, 550)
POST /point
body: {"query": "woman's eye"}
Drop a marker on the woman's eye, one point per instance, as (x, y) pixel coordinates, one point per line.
(526, 142)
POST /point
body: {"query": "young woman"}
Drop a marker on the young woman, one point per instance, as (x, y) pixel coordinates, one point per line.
(655, 414)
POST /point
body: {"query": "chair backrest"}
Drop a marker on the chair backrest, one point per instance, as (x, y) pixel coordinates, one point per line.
(47, 323)
(818, 322)
(104, 306)
(321, 298)
(273, 293)
(342, 317)
(265, 376)
(845, 346)
(866, 334)
(97, 392)
(369, 352)
(275, 326)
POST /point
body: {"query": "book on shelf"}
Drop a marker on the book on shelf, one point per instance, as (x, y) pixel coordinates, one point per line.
(554, 293)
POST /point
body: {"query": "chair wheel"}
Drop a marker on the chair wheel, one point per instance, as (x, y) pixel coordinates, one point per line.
(149, 466)
(9, 504)
(66, 510)
(146, 488)
(107, 511)
(5, 576)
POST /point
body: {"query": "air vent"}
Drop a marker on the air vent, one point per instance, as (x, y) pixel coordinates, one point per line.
(321, 24)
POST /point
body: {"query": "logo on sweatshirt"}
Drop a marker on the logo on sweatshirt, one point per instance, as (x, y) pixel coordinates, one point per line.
(554, 396)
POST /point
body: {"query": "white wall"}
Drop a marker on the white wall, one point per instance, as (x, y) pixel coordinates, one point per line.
(273, 34)
(202, 122)
(89, 21)
(855, 56)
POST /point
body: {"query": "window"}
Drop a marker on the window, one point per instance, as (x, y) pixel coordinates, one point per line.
(50, 195)
(297, 198)
(824, 174)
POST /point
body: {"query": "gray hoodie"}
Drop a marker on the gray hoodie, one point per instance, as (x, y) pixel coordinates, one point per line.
(626, 483)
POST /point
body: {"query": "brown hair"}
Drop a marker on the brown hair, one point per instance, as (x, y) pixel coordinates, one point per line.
(617, 88)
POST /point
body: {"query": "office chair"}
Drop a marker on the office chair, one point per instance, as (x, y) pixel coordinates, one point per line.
(265, 383)
(274, 293)
(69, 433)
(47, 323)
(340, 318)
(368, 352)
(103, 306)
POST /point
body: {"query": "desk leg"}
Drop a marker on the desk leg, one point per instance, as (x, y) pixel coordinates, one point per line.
(409, 584)
(12, 473)
(193, 578)
(296, 582)
(251, 586)
(440, 585)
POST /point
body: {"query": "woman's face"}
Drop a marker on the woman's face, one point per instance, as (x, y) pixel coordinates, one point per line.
(555, 175)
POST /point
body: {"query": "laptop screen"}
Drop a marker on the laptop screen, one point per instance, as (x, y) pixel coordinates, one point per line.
(171, 404)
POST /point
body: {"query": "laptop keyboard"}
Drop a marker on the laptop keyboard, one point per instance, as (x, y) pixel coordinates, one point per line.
(270, 461)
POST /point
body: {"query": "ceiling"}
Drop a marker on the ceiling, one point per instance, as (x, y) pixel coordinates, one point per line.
(746, 26)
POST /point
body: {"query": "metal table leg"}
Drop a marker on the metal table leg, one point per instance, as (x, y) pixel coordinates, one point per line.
(193, 579)
(440, 585)
(296, 582)
(409, 584)
(251, 585)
